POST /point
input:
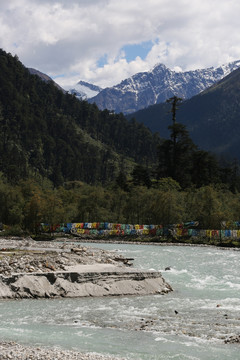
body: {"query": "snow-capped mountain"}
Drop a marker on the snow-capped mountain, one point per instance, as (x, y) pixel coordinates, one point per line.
(84, 90)
(211, 118)
(149, 88)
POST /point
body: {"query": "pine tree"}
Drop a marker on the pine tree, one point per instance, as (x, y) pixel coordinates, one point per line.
(175, 154)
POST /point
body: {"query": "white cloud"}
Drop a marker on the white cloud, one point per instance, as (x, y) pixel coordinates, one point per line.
(70, 36)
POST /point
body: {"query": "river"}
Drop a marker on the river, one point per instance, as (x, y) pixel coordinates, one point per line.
(189, 323)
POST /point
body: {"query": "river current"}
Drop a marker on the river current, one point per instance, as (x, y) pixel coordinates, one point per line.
(189, 323)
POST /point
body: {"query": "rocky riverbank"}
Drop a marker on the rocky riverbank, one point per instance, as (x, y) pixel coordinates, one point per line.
(14, 351)
(30, 269)
(28, 256)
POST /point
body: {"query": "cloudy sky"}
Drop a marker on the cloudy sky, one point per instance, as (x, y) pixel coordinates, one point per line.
(106, 41)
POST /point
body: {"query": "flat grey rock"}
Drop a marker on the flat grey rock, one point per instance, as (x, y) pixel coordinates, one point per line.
(88, 280)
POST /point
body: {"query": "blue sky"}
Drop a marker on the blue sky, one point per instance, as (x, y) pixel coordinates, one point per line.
(105, 41)
(129, 52)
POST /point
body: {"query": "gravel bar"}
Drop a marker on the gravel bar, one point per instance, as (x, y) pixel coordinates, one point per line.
(14, 351)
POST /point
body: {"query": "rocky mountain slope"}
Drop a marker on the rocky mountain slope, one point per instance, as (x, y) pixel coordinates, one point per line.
(212, 117)
(153, 87)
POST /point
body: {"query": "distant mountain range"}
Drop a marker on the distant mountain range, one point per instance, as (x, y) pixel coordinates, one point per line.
(147, 88)
(155, 86)
(212, 117)
(210, 112)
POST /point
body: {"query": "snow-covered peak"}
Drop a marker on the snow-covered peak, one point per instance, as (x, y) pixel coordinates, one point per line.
(148, 88)
(228, 68)
(159, 67)
(84, 90)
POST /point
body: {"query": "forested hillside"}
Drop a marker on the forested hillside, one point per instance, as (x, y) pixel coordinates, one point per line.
(212, 117)
(64, 160)
(47, 133)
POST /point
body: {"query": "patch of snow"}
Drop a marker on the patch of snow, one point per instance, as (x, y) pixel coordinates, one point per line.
(84, 90)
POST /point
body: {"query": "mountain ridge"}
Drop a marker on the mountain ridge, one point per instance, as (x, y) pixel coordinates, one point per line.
(211, 117)
(155, 86)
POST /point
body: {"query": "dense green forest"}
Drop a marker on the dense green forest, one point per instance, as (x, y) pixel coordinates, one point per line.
(64, 160)
(52, 134)
(28, 203)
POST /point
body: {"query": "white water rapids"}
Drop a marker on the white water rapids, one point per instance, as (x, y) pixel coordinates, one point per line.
(189, 323)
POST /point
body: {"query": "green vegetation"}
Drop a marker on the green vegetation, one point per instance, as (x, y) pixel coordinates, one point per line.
(28, 203)
(62, 160)
(46, 133)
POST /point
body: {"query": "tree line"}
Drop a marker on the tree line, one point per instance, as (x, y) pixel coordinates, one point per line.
(29, 203)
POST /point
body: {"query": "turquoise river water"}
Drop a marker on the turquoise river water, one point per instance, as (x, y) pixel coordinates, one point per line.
(189, 323)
